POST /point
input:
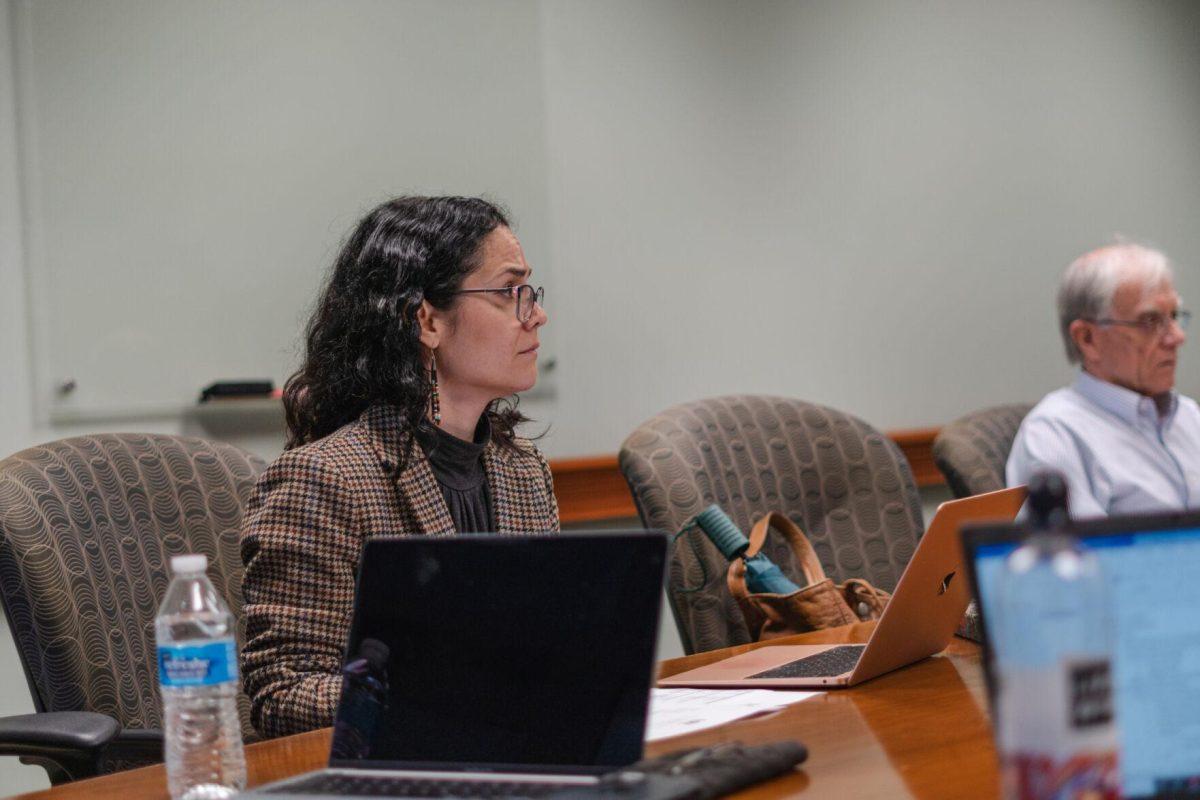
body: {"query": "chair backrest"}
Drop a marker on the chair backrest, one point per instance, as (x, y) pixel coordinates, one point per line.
(87, 529)
(844, 483)
(973, 450)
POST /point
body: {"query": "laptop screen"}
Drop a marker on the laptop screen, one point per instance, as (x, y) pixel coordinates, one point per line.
(501, 652)
(1151, 565)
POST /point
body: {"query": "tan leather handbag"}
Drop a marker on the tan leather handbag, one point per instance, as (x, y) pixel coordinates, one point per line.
(819, 604)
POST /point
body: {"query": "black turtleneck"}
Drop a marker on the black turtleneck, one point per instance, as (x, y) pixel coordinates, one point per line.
(458, 468)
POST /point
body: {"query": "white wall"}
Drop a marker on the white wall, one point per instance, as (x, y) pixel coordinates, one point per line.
(865, 204)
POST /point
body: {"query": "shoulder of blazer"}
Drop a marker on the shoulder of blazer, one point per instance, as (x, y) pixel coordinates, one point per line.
(521, 458)
(353, 452)
(382, 429)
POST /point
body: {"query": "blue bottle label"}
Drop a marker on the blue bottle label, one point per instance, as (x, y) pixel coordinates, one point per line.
(197, 665)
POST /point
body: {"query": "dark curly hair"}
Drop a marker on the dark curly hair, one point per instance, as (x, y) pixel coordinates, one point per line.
(362, 345)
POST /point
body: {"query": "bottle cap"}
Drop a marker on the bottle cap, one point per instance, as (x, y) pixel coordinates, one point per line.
(189, 563)
(1048, 507)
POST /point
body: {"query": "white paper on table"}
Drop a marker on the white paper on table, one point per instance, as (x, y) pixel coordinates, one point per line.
(678, 711)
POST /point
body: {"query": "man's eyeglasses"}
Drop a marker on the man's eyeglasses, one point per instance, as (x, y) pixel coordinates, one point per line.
(1154, 323)
(524, 295)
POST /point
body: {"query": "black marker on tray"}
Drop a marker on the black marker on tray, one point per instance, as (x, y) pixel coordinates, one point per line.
(227, 390)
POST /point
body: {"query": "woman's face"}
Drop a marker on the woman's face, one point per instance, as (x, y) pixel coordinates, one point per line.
(482, 350)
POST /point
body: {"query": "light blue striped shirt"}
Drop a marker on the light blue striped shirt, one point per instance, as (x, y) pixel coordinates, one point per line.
(1118, 454)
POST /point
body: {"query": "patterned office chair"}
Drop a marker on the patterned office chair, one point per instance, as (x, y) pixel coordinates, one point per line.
(845, 484)
(87, 529)
(972, 451)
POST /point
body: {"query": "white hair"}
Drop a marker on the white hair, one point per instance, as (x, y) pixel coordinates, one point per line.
(1089, 283)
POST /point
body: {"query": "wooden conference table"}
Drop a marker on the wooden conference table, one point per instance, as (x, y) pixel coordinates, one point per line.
(918, 732)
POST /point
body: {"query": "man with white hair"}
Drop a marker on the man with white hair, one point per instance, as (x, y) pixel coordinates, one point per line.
(1125, 439)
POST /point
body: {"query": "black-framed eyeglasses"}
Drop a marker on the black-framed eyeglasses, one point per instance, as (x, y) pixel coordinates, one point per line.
(1154, 323)
(526, 297)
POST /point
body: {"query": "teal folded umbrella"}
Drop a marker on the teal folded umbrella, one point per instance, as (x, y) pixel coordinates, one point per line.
(762, 575)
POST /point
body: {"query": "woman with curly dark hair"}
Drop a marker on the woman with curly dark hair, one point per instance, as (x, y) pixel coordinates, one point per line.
(398, 424)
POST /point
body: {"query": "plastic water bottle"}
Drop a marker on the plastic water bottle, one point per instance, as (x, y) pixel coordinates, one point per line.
(197, 672)
(1057, 735)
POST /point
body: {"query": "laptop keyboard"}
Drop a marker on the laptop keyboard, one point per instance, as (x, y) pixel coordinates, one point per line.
(381, 786)
(822, 665)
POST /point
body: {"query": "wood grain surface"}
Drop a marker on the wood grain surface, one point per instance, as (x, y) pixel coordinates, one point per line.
(918, 732)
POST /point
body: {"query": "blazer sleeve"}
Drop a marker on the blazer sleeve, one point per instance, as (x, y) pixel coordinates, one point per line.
(301, 544)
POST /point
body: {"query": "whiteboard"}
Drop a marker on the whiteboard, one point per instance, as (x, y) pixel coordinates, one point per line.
(191, 169)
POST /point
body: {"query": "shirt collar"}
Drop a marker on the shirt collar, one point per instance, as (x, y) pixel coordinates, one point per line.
(1123, 403)
(454, 460)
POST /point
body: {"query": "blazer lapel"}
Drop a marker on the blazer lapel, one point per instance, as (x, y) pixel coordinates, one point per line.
(416, 487)
(497, 469)
(518, 501)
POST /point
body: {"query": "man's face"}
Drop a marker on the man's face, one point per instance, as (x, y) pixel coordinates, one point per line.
(1139, 357)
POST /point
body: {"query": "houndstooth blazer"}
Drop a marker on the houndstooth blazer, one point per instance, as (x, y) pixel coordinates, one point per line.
(304, 530)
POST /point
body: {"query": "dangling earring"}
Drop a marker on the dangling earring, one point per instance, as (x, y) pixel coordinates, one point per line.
(435, 405)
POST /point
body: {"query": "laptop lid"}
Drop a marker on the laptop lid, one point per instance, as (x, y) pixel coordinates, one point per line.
(1151, 563)
(932, 595)
(502, 653)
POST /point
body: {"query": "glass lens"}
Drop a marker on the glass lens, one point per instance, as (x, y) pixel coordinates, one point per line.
(1183, 318)
(526, 297)
(524, 306)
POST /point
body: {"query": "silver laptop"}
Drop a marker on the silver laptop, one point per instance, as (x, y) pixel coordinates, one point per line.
(497, 666)
(918, 621)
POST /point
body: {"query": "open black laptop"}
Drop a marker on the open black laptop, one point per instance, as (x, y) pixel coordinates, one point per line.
(485, 665)
(1151, 564)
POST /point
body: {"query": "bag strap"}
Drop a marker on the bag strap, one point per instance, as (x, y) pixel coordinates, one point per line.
(810, 565)
(752, 615)
(865, 591)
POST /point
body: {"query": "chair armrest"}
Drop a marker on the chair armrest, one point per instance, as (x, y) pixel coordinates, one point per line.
(69, 741)
(30, 734)
(136, 747)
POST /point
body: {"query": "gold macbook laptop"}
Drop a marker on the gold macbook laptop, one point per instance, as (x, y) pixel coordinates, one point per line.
(919, 620)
